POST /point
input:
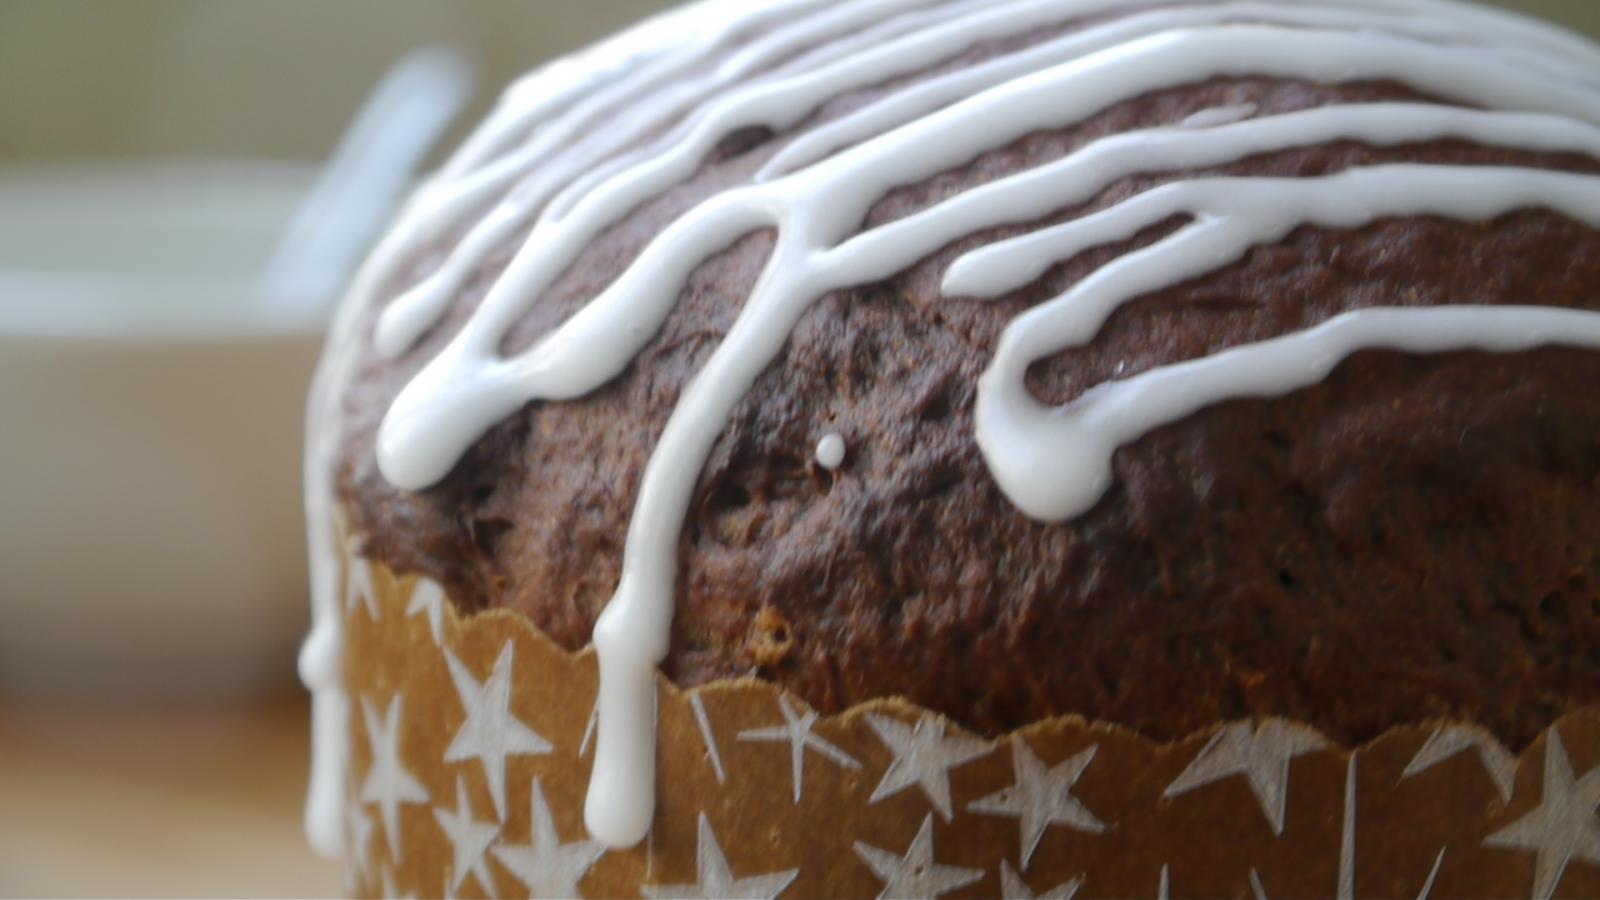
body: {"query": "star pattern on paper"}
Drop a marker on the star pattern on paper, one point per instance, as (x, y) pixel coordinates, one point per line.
(1559, 834)
(427, 597)
(923, 756)
(360, 853)
(915, 874)
(796, 732)
(1563, 827)
(704, 721)
(1012, 887)
(469, 839)
(490, 733)
(1347, 831)
(358, 585)
(548, 867)
(715, 881)
(388, 784)
(588, 729)
(1261, 755)
(1427, 886)
(1446, 741)
(1041, 796)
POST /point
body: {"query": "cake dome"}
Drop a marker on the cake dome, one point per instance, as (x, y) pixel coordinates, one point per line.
(1154, 367)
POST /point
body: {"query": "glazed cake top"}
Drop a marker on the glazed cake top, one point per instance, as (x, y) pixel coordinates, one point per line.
(1044, 221)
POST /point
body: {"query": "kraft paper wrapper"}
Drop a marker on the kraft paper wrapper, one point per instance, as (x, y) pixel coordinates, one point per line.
(1115, 814)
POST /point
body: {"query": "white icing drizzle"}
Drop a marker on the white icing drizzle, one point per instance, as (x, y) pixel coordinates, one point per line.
(830, 451)
(551, 172)
(451, 195)
(1054, 463)
(557, 140)
(942, 91)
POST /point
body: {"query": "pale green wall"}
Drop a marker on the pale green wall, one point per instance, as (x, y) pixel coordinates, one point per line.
(277, 78)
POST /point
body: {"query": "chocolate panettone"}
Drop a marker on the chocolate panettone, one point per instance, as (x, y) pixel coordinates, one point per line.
(1191, 362)
(1415, 536)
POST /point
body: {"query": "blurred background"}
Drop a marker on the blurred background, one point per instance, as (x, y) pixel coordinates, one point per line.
(157, 332)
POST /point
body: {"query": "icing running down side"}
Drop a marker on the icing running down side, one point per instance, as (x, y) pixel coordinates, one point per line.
(533, 170)
(458, 189)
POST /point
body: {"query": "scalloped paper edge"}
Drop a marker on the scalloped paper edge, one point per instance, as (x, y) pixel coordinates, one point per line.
(892, 797)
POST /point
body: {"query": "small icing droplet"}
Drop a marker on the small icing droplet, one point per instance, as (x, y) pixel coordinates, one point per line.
(830, 452)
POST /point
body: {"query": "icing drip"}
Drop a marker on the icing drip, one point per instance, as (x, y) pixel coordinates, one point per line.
(1529, 86)
(830, 452)
(1067, 465)
(453, 193)
(1055, 463)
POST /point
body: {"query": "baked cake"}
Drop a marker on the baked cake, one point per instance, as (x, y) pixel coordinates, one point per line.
(1163, 364)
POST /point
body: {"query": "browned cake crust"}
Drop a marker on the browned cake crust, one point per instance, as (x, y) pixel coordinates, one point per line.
(1415, 537)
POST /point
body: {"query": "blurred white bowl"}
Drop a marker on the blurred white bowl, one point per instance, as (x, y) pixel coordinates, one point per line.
(152, 396)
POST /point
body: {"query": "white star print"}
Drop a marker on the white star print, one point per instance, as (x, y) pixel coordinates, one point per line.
(358, 584)
(1040, 797)
(1563, 827)
(715, 880)
(1427, 886)
(796, 731)
(1012, 887)
(922, 756)
(469, 839)
(704, 722)
(388, 784)
(1347, 833)
(361, 840)
(1262, 757)
(588, 730)
(490, 733)
(915, 874)
(428, 598)
(548, 867)
(1449, 740)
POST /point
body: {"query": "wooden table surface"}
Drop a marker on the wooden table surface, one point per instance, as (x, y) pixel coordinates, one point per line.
(140, 803)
